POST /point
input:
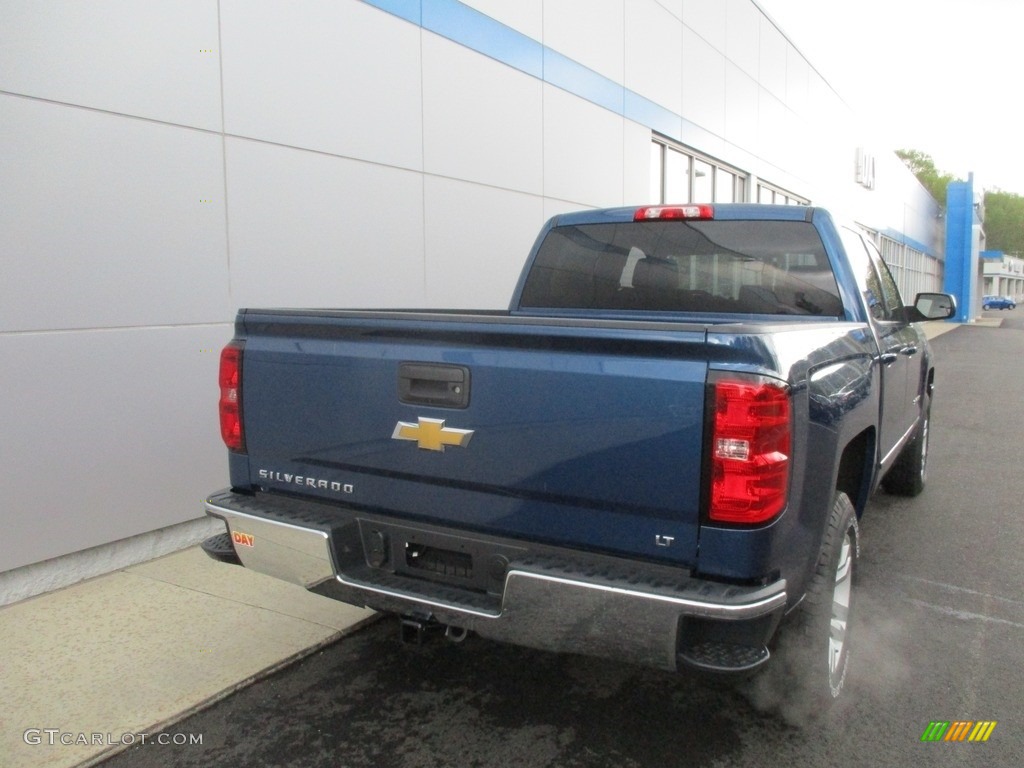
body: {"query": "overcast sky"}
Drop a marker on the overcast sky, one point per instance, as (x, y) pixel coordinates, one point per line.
(945, 77)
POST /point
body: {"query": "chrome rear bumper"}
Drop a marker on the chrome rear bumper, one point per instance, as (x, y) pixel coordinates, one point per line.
(602, 607)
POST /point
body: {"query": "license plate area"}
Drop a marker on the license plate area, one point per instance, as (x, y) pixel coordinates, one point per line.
(476, 564)
(442, 562)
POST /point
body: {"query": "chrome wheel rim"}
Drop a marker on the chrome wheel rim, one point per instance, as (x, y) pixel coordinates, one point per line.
(924, 449)
(840, 608)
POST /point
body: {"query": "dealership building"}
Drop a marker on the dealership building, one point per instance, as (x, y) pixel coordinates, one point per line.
(1004, 275)
(165, 163)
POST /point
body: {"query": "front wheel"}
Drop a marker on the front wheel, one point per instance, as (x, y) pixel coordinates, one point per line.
(908, 475)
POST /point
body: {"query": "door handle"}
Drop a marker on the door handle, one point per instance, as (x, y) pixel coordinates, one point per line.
(442, 386)
(888, 358)
(909, 351)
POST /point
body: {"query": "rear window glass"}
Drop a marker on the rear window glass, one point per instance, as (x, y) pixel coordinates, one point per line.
(748, 267)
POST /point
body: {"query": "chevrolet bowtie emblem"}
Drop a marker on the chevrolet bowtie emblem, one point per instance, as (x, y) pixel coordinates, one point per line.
(432, 434)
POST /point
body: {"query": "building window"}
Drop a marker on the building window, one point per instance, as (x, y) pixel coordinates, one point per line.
(769, 194)
(677, 176)
(914, 271)
(703, 182)
(657, 172)
(725, 186)
(682, 175)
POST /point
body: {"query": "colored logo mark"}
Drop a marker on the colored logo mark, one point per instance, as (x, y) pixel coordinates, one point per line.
(432, 434)
(958, 730)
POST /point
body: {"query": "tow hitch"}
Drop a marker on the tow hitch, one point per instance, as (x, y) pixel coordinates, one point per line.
(417, 630)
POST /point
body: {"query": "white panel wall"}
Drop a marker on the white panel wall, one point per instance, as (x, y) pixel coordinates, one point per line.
(773, 127)
(654, 54)
(114, 297)
(156, 59)
(165, 162)
(314, 230)
(636, 162)
(106, 434)
(589, 32)
(476, 240)
(675, 7)
(704, 88)
(742, 102)
(772, 60)
(582, 151)
(337, 76)
(743, 36)
(114, 221)
(798, 75)
(482, 120)
(709, 20)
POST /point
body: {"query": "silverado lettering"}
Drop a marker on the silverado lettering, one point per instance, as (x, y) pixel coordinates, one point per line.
(675, 428)
(312, 482)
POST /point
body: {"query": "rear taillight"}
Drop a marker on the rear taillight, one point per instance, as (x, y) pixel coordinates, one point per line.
(750, 447)
(663, 212)
(231, 396)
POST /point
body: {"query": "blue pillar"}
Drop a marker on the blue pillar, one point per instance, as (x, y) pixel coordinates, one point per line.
(961, 261)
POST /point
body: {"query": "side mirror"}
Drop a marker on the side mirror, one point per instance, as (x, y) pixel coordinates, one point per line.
(933, 306)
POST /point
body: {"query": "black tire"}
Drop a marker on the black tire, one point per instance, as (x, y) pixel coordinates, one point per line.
(807, 671)
(908, 475)
(827, 607)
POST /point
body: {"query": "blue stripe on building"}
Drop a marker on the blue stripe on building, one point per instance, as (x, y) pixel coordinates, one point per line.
(479, 32)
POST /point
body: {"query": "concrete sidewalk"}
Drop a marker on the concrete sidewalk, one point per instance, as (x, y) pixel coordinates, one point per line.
(937, 328)
(90, 668)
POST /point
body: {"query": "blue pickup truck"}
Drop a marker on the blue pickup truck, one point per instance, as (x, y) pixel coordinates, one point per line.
(659, 453)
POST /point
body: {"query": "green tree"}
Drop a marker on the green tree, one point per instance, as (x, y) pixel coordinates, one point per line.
(1004, 211)
(1004, 222)
(923, 166)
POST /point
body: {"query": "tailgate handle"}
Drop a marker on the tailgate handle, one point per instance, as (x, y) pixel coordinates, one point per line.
(443, 386)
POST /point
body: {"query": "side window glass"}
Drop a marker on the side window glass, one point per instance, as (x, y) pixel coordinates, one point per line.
(875, 297)
(890, 291)
(867, 277)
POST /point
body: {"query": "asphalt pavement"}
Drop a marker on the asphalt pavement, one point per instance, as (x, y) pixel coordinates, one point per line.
(939, 638)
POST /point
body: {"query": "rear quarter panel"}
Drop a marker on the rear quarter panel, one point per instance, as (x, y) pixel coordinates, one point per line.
(832, 374)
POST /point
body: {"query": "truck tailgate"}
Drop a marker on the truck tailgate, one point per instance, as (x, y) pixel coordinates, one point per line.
(580, 434)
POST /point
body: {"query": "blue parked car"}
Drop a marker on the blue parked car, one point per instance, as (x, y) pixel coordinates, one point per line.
(997, 302)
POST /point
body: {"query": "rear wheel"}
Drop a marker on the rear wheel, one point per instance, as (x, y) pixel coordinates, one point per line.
(827, 606)
(812, 655)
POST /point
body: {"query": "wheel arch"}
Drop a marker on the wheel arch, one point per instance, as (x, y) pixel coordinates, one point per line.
(854, 474)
